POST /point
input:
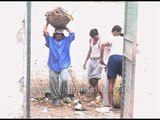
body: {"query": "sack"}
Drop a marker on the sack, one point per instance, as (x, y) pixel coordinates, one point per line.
(117, 92)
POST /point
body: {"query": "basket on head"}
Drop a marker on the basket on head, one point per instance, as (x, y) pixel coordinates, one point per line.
(58, 17)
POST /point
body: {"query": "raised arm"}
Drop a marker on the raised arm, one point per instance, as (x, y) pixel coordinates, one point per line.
(71, 35)
(68, 30)
(45, 32)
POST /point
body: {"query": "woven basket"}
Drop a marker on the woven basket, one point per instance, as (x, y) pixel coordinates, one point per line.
(58, 17)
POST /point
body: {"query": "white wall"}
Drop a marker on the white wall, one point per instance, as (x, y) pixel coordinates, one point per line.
(147, 77)
(11, 60)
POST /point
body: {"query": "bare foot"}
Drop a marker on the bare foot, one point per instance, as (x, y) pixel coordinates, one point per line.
(111, 109)
(101, 95)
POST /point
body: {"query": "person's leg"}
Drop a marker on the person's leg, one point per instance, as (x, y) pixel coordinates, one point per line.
(64, 83)
(94, 74)
(90, 76)
(120, 60)
(54, 86)
(90, 72)
(96, 88)
(91, 88)
(111, 75)
(97, 70)
(99, 91)
(110, 92)
(91, 82)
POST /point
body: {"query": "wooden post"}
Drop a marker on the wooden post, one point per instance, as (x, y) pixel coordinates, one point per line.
(77, 92)
(27, 59)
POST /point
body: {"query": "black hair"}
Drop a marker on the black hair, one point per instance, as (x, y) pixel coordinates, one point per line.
(121, 34)
(118, 29)
(54, 35)
(58, 33)
(93, 32)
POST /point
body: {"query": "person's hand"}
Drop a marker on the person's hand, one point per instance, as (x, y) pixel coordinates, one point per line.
(47, 21)
(67, 29)
(84, 66)
(102, 61)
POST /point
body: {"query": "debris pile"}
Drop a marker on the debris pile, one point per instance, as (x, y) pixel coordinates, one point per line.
(58, 17)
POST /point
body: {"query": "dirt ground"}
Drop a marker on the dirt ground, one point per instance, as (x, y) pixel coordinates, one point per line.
(45, 109)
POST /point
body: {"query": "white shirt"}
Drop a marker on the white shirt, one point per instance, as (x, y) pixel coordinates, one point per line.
(95, 49)
(117, 45)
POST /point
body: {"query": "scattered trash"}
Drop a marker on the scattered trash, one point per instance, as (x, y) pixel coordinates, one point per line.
(33, 100)
(46, 99)
(103, 109)
(98, 97)
(92, 102)
(47, 96)
(45, 109)
(67, 100)
(76, 101)
(69, 105)
(78, 107)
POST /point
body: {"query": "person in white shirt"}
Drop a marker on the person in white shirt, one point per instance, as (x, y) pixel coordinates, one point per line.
(114, 64)
(94, 68)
